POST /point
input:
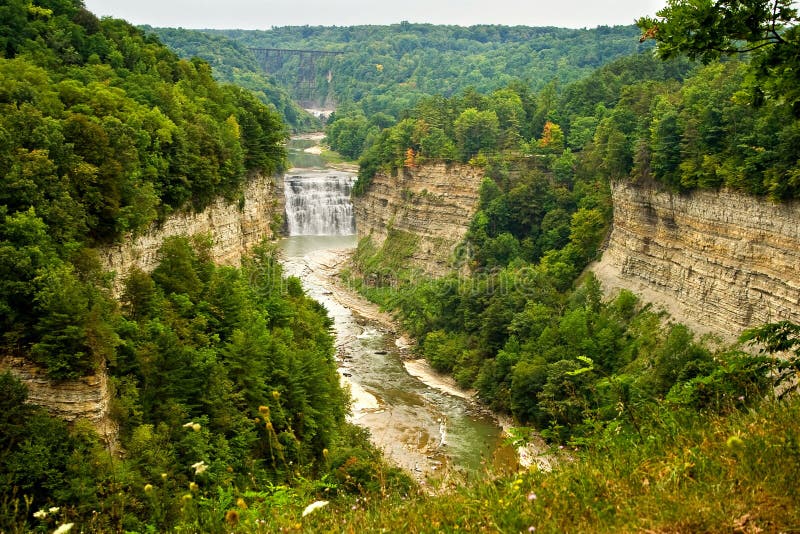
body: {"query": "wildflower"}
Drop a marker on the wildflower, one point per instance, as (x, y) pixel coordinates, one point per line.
(269, 425)
(263, 410)
(163, 476)
(196, 427)
(190, 424)
(187, 497)
(53, 510)
(531, 529)
(148, 488)
(276, 394)
(232, 517)
(241, 503)
(531, 496)
(193, 487)
(314, 506)
(66, 527)
(325, 453)
(41, 514)
(199, 467)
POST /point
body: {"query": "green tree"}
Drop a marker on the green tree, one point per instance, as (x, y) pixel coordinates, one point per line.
(476, 131)
(706, 30)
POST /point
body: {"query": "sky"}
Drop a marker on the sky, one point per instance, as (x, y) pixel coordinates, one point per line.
(263, 14)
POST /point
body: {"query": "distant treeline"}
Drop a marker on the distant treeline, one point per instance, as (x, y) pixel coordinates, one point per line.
(388, 69)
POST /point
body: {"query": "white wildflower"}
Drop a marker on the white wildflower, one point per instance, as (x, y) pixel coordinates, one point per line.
(41, 514)
(53, 509)
(66, 527)
(314, 506)
(199, 467)
(190, 424)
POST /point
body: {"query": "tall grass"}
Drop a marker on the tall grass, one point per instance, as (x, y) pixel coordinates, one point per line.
(684, 473)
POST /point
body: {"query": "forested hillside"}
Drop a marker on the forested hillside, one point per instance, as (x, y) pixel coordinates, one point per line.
(516, 319)
(233, 63)
(222, 379)
(104, 131)
(387, 69)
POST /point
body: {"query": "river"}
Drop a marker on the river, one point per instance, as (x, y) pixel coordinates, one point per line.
(423, 423)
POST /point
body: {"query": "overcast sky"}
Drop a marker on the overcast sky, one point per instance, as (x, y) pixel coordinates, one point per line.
(263, 14)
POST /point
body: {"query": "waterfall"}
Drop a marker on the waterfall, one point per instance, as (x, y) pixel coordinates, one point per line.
(318, 203)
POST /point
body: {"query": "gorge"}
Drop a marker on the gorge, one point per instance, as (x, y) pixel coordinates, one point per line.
(520, 311)
(678, 251)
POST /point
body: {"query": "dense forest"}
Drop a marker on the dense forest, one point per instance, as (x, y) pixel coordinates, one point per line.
(104, 131)
(223, 381)
(556, 356)
(524, 327)
(386, 69)
(231, 62)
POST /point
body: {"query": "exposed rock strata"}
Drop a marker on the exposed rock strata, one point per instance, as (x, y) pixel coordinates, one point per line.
(433, 202)
(84, 398)
(718, 261)
(234, 229)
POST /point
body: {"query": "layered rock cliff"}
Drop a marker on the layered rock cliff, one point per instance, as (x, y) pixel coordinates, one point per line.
(718, 261)
(435, 203)
(84, 398)
(234, 229)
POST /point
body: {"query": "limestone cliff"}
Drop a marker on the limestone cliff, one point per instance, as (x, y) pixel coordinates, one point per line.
(433, 202)
(234, 229)
(717, 261)
(84, 398)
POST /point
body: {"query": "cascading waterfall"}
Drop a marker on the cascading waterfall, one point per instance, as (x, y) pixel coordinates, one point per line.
(318, 203)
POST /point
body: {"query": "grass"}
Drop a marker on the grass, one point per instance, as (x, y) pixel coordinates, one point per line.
(739, 473)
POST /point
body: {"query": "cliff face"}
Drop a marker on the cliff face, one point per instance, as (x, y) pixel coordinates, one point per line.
(717, 261)
(234, 230)
(85, 398)
(433, 202)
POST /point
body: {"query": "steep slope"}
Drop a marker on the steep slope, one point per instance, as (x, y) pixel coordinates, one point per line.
(233, 227)
(718, 261)
(434, 203)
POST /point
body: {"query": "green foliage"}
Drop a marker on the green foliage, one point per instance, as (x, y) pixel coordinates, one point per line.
(685, 473)
(227, 369)
(388, 69)
(106, 129)
(707, 30)
(234, 64)
(102, 131)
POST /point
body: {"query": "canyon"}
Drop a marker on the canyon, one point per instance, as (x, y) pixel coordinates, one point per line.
(717, 261)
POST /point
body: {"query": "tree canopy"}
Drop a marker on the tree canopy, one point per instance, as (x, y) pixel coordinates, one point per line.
(706, 30)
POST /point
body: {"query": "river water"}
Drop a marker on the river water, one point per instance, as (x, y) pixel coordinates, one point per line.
(426, 426)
